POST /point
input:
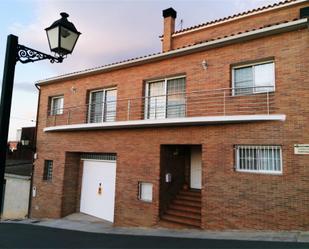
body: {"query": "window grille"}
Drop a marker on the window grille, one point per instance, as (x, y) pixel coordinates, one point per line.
(262, 158)
(103, 157)
(48, 170)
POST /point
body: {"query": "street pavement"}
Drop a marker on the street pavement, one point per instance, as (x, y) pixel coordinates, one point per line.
(14, 235)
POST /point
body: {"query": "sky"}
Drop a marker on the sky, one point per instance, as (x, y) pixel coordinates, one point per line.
(112, 30)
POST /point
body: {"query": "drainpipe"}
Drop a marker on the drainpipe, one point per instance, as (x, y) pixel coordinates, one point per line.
(34, 151)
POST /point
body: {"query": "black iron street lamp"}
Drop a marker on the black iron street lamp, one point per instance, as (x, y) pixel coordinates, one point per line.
(62, 37)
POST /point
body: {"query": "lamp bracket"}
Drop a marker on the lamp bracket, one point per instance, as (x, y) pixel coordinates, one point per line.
(25, 55)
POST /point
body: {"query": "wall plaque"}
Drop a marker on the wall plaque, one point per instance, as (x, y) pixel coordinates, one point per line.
(301, 149)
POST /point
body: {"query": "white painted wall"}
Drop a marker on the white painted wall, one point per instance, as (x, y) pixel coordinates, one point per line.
(16, 198)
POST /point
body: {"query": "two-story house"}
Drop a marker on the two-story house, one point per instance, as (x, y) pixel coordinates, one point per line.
(210, 133)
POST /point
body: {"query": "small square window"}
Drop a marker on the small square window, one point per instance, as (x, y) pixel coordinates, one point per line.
(145, 191)
(48, 170)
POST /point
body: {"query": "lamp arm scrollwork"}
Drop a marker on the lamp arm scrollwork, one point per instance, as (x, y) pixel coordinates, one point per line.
(25, 55)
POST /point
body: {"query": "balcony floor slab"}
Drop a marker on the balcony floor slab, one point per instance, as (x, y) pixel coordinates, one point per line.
(187, 121)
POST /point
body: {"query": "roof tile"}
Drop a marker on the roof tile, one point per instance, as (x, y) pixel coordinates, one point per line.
(234, 16)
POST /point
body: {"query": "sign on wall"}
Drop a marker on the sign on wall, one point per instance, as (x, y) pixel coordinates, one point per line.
(301, 149)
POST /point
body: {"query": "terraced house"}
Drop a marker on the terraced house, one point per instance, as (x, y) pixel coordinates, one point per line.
(209, 133)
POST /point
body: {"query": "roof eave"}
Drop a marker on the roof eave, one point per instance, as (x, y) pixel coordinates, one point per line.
(246, 36)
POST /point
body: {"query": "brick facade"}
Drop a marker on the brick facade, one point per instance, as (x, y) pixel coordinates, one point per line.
(230, 199)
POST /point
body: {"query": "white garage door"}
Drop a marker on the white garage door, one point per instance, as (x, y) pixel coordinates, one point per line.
(98, 189)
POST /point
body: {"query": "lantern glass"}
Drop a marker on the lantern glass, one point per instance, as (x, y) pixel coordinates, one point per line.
(25, 142)
(68, 39)
(53, 38)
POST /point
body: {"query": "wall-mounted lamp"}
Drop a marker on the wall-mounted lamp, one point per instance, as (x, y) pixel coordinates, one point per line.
(73, 89)
(204, 64)
(25, 142)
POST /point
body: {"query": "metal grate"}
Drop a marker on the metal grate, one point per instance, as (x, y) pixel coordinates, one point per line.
(261, 158)
(48, 170)
(102, 156)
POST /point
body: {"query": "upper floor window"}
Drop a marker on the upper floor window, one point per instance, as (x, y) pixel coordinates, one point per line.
(56, 105)
(165, 98)
(102, 105)
(254, 78)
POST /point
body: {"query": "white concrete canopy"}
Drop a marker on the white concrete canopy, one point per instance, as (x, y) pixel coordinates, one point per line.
(168, 122)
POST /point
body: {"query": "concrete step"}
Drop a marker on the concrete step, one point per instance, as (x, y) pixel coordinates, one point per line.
(191, 209)
(190, 193)
(182, 220)
(187, 203)
(188, 197)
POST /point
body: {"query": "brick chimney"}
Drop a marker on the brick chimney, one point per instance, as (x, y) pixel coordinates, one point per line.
(169, 28)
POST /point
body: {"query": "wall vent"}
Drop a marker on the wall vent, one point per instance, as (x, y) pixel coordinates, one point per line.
(99, 156)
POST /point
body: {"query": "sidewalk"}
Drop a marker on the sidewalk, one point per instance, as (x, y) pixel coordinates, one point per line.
(86, 223)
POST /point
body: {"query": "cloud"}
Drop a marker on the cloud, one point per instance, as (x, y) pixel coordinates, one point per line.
(117, 31)
(109, 31)
(25, 86)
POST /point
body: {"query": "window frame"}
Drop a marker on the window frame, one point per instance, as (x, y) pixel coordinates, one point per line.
(258, 171)
(104, 90)
(253, 64)
(165, 79)
(48, 174)
(140, 191)
(52, 102)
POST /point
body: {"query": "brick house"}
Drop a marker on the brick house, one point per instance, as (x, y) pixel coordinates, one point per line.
(203, 134)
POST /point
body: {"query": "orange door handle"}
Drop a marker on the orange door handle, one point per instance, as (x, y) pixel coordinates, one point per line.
(100, 188)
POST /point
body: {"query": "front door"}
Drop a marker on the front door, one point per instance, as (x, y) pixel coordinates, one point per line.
(196, 168)
(98, 189)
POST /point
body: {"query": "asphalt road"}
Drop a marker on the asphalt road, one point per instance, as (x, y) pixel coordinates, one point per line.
(30, 236)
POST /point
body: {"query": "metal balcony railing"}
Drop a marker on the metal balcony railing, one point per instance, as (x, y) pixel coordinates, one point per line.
(218, 102)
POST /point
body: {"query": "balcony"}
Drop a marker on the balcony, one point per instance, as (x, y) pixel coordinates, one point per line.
(194, 108)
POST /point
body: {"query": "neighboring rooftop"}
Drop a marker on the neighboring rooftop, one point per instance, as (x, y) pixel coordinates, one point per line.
(19, 167)
(238, 15)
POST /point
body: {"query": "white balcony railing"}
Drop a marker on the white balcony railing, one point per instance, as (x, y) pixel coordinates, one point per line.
(202, 103)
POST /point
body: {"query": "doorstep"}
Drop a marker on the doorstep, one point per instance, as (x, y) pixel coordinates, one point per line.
(86, 223)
